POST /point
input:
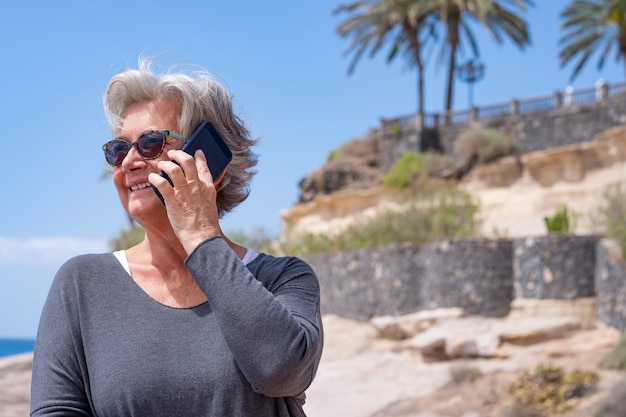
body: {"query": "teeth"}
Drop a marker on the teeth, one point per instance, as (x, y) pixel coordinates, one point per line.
(140, 186)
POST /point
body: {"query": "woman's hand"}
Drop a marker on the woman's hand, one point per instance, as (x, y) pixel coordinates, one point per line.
(191, 201)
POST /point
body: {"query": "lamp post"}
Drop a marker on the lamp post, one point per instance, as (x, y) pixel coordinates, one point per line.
(471, 72)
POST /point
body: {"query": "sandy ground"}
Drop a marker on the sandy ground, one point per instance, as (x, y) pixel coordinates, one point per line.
(15, 385)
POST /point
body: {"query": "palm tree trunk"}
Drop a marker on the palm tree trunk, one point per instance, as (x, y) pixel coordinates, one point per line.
(453, 19)
(622, 45)
(412, 36)
(420, 93)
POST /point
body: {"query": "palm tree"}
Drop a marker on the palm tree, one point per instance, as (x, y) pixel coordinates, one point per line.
(590, 26)
(374, 23)
(497, 16)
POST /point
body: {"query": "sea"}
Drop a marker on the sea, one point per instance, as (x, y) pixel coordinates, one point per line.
(10, 347)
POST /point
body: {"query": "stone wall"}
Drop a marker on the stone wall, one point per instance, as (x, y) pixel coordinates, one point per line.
(567, 126)
(554, 266)
(366, 283)
(482, 277)
(472, 274)
(531, 131)
(550, 129)
(611, 284)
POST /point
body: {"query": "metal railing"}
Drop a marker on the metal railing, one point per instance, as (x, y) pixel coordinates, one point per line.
(601, 92)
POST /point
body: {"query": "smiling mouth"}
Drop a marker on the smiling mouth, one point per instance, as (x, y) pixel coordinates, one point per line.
(140, 186)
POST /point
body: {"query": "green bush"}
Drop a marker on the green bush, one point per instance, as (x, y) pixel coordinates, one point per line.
(559, 222)
(485, 144)
(404, 170)
(306, 243)
(412, 168)
(436, 213)
(361, 149)
(127, 238)
(549, 388)
(396, 129)
(258, 239)
(332, 155)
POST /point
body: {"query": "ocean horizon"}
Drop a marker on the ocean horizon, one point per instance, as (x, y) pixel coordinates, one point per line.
(10, 347)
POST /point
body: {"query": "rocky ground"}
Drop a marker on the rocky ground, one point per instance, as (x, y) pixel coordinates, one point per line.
(364, 375)
(410, 366)
(15, 385)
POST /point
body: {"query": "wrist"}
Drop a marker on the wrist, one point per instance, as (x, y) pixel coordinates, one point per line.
(190, 244)
(190, 248)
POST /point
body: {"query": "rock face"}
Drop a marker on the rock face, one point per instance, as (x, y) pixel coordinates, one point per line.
(354, 166)
(514, 193)
(451, 334)
(515, 196)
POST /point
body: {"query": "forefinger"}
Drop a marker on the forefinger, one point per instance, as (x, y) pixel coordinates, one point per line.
(202, 167)
(186, 163)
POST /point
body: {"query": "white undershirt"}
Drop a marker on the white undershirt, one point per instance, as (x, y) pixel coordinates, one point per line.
(121, 256)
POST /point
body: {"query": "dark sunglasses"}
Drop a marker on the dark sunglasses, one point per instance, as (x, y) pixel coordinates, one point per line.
(149, 146)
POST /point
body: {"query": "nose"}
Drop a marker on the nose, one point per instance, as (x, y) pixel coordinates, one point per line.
(132, 159)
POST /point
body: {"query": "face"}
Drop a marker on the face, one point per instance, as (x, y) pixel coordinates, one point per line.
(131, 178)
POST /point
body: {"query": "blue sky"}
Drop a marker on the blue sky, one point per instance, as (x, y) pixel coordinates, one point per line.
(284, 65)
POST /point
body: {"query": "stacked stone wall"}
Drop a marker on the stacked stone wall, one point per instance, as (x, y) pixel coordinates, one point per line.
(531, 132)
(481, 276)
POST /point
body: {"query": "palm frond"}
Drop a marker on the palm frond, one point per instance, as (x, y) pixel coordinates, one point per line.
(591, 27)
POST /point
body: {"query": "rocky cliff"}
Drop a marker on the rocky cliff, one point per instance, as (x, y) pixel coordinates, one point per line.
(515, 193)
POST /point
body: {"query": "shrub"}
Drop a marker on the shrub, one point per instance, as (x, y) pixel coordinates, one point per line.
(332, 155)
(616, 358)
(413, 168)
(127, 238)
(436, 213)
(404, 170)
(258, 239)
(396, 129)
(306, 243)
(357, 148)
(559, 222)
(549, 388)
(485, 144)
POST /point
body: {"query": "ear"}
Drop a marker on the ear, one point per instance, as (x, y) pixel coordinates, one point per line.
(219, 178)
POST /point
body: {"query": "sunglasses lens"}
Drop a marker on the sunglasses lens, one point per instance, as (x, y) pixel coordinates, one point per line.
(115, 152)
(151, 145)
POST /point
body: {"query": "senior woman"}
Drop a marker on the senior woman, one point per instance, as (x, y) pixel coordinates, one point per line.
(187, 322)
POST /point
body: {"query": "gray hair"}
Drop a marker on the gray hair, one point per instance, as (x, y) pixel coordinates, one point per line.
(202, 98)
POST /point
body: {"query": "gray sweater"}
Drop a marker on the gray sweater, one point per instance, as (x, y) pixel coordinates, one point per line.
(105, 348)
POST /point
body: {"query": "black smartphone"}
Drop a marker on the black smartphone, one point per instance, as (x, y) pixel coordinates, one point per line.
(217, 154)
